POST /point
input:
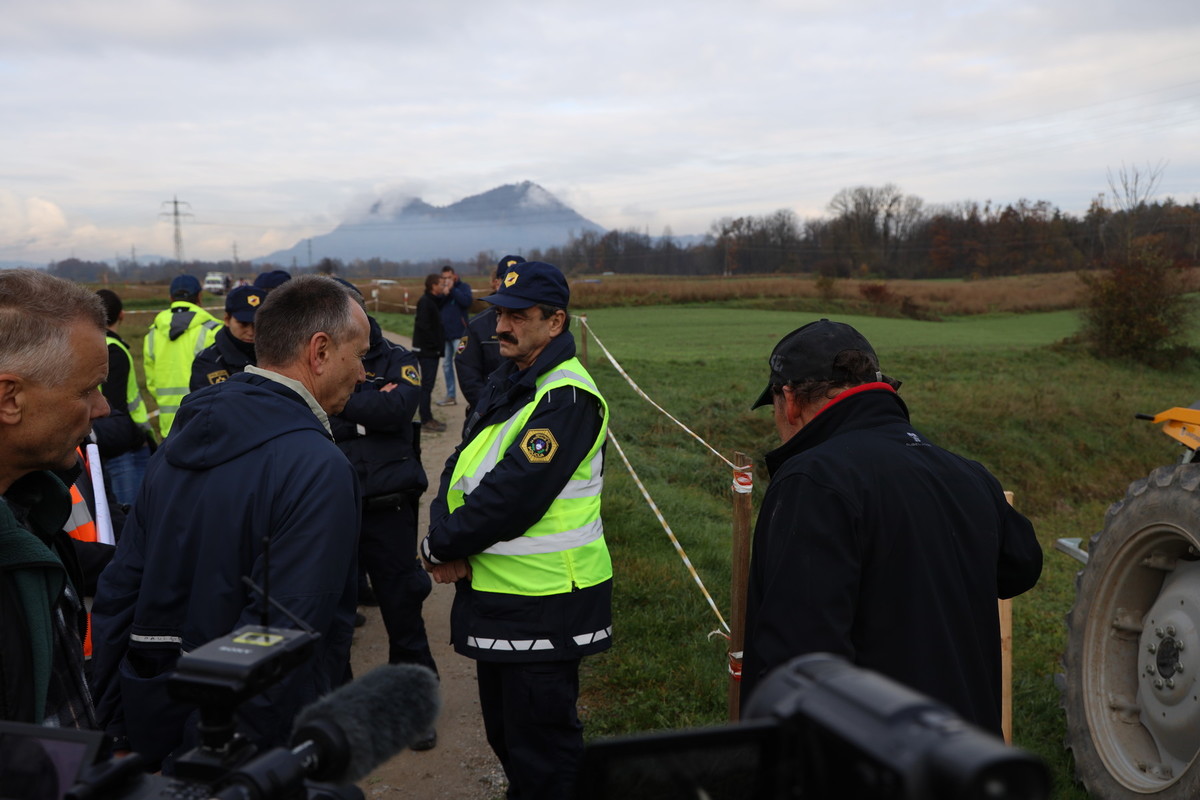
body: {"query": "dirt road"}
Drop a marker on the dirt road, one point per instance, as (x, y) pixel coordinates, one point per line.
(462, 765)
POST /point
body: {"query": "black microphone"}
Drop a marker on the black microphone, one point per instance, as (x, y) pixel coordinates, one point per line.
(353, 730)
(345, 735)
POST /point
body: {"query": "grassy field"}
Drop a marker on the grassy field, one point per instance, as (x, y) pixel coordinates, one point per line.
(1055, 426)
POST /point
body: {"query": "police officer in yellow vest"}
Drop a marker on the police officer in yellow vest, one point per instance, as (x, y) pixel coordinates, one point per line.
(516, 524)
(175, 337)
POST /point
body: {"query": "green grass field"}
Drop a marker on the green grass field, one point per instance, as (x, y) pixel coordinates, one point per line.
(1055, 425)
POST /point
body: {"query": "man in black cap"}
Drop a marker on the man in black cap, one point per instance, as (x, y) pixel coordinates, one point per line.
(874, 543)
(233, 349)
(479, 351)
(516, 524)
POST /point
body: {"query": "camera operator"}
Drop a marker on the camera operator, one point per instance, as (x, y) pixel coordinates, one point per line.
(249, 459)
(874, 543)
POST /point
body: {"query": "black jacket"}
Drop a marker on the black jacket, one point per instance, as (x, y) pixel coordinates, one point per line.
(226, 356)
(877, 545)
(117, 433)
(429, 337)
(480, 356)
(375, 429)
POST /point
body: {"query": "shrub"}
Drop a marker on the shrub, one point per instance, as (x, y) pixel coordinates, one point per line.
(1136, 309)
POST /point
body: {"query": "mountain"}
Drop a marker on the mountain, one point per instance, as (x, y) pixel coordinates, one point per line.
(508, 219)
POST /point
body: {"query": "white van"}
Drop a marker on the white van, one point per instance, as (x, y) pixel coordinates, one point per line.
(216, 282)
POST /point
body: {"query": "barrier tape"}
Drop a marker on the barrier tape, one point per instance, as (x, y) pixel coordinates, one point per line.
(648, 399)
(662, 520)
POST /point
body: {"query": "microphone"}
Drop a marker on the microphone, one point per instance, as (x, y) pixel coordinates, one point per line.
(353, 730)
(345, 735)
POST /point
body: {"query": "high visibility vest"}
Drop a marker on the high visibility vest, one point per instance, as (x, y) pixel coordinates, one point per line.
(133, 396)
(565, 549)
(167, 361)
(81, 526)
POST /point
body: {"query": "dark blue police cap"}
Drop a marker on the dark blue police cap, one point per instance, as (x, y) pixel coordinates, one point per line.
(505, 264)
(242, 302)
(185, 286)
(269, 280)
(532, 283)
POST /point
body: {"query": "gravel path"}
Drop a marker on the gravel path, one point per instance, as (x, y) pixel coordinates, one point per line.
(462, 765)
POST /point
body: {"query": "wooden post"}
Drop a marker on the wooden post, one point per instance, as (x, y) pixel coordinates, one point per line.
(1006, 654)
(583, 335)
(743, 482)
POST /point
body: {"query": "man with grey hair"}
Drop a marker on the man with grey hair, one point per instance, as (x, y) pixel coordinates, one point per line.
(53, 359)
(249, 460)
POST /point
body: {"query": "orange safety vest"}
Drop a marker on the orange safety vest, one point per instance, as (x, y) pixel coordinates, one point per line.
(81, 526)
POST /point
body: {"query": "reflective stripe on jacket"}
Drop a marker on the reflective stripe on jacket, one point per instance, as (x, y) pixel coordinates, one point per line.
(177, 335)
(565, 549)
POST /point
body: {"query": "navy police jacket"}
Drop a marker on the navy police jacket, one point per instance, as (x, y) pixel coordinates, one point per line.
(878, 545)
(510, 499)
(479, 356)
(226, 356)
(375, 429)
(247, 460)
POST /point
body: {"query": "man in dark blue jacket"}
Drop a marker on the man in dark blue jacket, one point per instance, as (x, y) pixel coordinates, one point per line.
(454, 325)
(375, 431)
(872, 542)
(479, 352)
(248, 459)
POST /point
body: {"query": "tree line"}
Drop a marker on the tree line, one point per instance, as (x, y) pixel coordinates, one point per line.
(872, 231)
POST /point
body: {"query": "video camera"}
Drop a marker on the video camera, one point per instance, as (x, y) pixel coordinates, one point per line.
(817, 728)
(335, 741)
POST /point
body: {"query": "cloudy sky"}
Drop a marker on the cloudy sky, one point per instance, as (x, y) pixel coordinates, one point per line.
(276, 119)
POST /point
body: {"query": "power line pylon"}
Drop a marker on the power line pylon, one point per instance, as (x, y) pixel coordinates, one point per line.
(176, 215)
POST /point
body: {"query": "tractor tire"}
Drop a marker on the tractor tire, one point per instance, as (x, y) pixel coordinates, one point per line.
(1132, 684)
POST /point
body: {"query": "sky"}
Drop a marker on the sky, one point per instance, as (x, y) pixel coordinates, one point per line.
(274, 120)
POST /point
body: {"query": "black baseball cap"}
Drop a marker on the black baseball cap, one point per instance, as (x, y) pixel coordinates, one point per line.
(243, 301)
(808, 353)
(532, 283)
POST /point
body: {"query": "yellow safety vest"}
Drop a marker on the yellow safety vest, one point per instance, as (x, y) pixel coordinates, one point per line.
(565, 549)
(168, 363)
(133, 396)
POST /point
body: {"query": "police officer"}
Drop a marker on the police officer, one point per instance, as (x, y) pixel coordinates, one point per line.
(375, 430)
(516, 524)
(177, 334)
(479, 353)
(233, 349)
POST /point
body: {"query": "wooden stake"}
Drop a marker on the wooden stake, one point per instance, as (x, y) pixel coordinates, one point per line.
(583, 335)
(739, 572)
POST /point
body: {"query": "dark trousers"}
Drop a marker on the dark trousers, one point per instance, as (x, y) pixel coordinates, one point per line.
(428, 379)
(531, 722)
(387, 550)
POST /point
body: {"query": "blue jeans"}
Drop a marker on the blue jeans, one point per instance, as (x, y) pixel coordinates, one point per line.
(448, 366)
(125, 473)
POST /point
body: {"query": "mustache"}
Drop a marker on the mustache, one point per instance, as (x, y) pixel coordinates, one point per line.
(506, 337)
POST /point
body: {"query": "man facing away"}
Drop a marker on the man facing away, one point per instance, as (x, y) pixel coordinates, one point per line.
(177, 334)
(874, 543)
(516, 524)
(53, 359)
(251, 458)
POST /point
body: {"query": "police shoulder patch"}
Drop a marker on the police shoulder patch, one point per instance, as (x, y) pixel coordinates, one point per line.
(411, 374)
(539, 445)
(220, 376)
(462, 345)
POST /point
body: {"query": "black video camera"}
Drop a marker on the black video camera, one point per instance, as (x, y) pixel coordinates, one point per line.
(335, 741)
(819, 728)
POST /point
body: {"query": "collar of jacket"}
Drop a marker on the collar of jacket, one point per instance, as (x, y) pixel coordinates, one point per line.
(233, 349)
(861, 407)
(508, 384)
